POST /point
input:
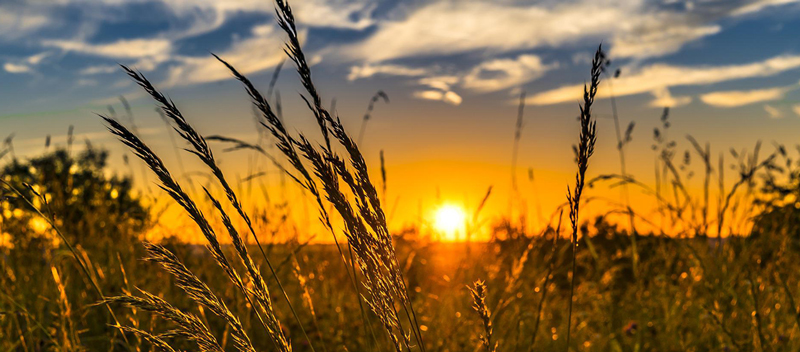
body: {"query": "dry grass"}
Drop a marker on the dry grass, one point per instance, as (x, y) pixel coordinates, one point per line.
(686, 294)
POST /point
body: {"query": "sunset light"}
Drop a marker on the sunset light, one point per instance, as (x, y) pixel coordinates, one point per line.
(412, 176)
(449, 220)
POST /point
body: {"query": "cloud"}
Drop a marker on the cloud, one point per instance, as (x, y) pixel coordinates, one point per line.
(773, 112)
(760, 5)
(333, 13)
(120, 49)
(446, 27)
(505, 73)
(487, 76)
(635, 28)
(205, 16)
(261, 51)
(36, 59)
(734, 98)
(440, 82)
(16, 68)
(659, 76)
(452, 98)
(369, 70)
(25, 65)
(446, 96)
(796, 109)
(100, 69)
(664, 99)
(658, 38)
(18, 22)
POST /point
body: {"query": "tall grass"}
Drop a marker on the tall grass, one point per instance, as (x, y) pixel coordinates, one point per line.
(736, 294)
(363, 217)
(583, 151)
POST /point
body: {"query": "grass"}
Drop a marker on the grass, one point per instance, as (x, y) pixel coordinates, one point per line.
(589, 287)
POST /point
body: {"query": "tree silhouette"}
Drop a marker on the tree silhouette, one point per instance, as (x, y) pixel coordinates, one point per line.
(92, 208)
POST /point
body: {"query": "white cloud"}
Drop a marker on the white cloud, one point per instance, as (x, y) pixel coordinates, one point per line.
(36, 59)
(760, 5)
(369, 70)
(658, 38)
(488, 76)
(730, 99)
(429, 94)
(440, 82)
(16, 68)
(659, 76)
(796, 109)
(205, 16)
(634, 28)
(455, 27)
(17, 23)
(505, 73)
(664, 99)
(452, 98)
(25, 65)
(257, 53)
(332, 13)
(773, 112)
(120, 49)
(446, 96)
(94, 70)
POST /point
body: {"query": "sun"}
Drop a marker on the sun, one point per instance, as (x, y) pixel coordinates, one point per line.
(449, 219)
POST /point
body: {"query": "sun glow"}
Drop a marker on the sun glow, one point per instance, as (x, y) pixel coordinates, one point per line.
(449, 219)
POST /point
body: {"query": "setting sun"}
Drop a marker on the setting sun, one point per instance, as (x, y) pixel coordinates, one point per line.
(449, 219)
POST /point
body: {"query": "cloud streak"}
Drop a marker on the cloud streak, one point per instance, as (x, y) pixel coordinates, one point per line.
(500, 74)
(736, 98)
(261, 51)
(369, 70)
(120, 49)
(657, 77)
(448, 97)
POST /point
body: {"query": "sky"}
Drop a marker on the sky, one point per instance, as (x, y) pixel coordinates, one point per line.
(453, 70)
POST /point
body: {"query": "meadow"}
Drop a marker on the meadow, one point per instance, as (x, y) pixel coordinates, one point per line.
(705, 270)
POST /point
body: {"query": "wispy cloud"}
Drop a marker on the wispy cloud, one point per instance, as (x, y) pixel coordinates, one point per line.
(759, 5)
(259, 52)
(17, 22)
(664, 99)
(658, 37)
(369, 70)
(442, 46)
(437, 95)
(773, 112)
(659, 76)
(634, 28)
(445, 27)
(99, 69)
(120, 49)
(735, 98)
(16, 68)
(499, 74)
(488, 76)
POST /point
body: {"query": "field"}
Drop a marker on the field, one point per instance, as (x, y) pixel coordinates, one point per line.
(710, 269)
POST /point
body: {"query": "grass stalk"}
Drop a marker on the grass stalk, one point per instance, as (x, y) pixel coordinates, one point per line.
(583, 151)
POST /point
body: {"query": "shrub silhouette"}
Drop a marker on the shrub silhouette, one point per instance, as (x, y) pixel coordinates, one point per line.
(97, 210)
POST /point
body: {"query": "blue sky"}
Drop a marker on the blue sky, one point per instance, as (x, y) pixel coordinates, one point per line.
(435, 50)
(730, 71)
